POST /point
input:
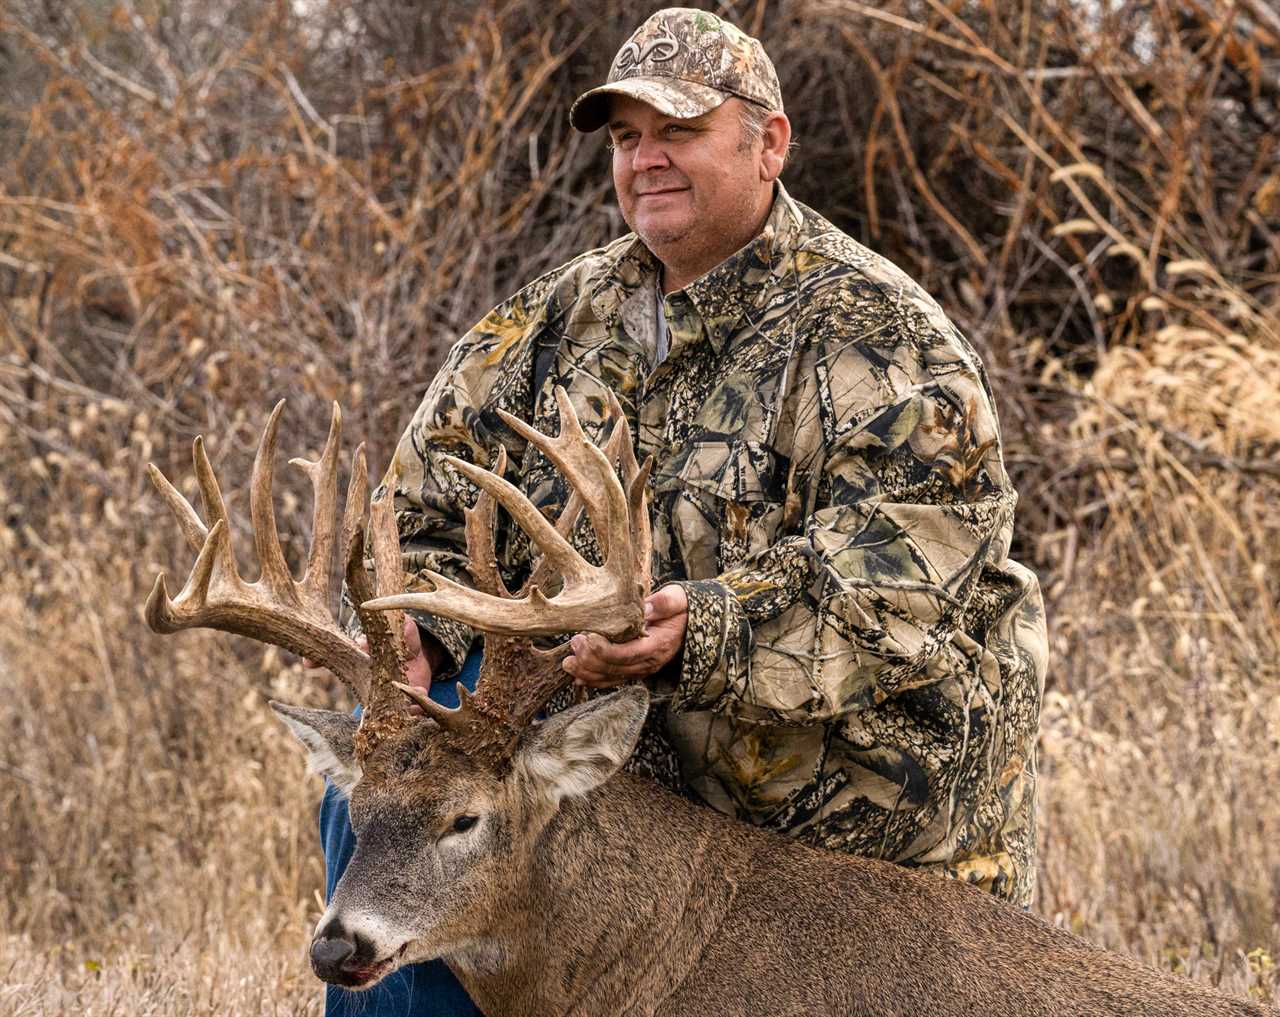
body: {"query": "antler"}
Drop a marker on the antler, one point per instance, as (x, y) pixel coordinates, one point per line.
(282, 611)
(608, 598)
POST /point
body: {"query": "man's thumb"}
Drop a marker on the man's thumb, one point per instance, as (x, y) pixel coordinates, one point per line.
(665, 603)
(412, 637)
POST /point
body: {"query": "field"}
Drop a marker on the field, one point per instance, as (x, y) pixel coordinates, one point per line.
(205, 207)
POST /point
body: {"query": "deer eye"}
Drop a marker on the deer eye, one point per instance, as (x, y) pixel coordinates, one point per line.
(464, 823)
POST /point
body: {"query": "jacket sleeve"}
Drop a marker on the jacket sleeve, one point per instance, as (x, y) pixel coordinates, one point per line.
(868, 595)
(488, 369)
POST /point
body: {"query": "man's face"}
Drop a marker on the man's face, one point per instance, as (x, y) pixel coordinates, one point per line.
(688, 188)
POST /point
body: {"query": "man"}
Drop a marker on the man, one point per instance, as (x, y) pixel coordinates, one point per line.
(846, 653)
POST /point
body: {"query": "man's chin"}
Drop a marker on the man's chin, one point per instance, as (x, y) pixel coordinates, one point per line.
(662, 233)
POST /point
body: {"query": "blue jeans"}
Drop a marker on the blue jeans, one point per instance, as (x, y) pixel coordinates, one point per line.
(417, 990)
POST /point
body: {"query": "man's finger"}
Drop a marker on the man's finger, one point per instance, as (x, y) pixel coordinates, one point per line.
(599, 650)
(590, 677)
(583, 670)
(412, 637)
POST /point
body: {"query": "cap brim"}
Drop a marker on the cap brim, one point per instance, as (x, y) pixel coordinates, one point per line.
(672, 96)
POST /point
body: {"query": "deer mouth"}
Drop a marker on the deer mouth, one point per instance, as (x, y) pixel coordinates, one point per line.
(368, 975)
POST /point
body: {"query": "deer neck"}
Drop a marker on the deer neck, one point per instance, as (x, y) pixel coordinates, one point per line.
(626, 886)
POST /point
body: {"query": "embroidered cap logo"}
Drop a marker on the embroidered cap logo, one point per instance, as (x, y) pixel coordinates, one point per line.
(658, 50)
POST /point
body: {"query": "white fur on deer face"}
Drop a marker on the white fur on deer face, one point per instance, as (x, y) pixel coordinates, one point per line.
(443, 841)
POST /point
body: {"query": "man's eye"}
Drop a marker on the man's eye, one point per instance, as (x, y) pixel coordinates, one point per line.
(464, 823)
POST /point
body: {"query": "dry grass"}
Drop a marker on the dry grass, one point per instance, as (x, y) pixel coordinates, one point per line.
(1160, 737)
(260, 971)
(204, 207)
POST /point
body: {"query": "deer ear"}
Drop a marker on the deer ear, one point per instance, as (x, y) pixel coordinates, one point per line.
(580, 748)
(329, 737)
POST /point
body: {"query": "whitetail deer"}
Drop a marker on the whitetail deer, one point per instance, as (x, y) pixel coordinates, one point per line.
(549, 882)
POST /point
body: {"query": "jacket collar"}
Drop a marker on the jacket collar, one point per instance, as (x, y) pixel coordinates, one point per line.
(726, 293)
(736, 286)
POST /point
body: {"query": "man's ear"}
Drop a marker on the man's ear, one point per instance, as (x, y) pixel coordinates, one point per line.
(776, 140)
(580, 748)
(329, 737)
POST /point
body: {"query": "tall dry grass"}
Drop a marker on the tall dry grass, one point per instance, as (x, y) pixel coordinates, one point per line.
(206, 206)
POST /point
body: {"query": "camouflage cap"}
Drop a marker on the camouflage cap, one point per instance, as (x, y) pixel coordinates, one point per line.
(684, 63)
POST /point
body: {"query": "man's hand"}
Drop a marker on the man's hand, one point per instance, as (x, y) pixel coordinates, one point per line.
(418, 671)
(601, 664)
(423, 661)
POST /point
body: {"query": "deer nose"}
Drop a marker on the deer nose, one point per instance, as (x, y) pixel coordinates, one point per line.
(335, 951)
(331, 953)
(329, 956)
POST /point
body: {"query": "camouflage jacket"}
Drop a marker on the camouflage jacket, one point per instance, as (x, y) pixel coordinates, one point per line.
(863, 663)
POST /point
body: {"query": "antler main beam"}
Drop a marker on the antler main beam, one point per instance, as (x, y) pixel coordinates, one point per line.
(607, 598)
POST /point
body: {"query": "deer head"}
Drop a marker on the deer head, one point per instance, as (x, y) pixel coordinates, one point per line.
(447, 807)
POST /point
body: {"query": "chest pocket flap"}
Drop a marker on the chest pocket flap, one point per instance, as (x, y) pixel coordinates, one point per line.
(743, 471)
(723, 501)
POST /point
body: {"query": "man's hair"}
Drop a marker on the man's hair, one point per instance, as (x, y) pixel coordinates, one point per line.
(752, 117)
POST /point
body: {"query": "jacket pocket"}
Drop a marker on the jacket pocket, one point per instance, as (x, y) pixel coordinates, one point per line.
(726, 503)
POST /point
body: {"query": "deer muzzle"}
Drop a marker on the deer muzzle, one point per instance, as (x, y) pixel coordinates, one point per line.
(346, 958)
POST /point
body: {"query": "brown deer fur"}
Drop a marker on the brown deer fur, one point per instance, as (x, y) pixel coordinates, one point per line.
(625, 899)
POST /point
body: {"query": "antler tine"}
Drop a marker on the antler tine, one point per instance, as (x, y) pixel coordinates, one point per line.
(588, 471)
(210, 494)
(453, 720)
(384, 541)
(604, 599)
(482, 556)
(324, 489)
(625, 452)
(266, 539)
(618, 440)
(636, 480)
(356, 507)
(274, 609)
(641, 534)
(192, 528)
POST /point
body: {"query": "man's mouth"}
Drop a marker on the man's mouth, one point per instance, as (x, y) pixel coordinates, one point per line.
(662, 191)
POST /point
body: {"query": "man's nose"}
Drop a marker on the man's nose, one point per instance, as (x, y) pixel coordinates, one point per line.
(649, 154)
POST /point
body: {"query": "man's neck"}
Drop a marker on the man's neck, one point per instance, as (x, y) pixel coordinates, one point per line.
(676, 274)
